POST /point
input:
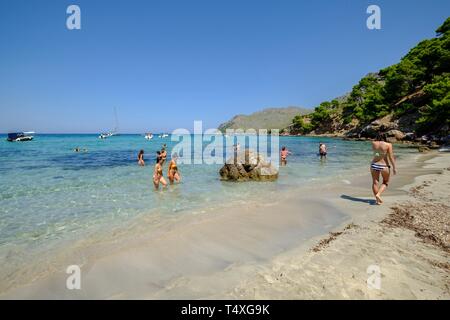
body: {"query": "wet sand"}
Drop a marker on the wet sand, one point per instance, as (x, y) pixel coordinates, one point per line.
(264, 250)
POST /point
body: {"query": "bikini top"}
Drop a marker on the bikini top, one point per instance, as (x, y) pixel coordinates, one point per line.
(379, 154)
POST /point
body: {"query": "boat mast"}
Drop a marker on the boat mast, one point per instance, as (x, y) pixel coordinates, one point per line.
(116, 129)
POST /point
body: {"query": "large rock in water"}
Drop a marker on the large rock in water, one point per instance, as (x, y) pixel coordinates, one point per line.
(248, 165)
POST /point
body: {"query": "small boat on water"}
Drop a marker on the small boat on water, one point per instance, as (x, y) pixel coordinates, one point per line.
(105, 135)
(20, 136)
(148, 136)
(111, 133)
(164, 135)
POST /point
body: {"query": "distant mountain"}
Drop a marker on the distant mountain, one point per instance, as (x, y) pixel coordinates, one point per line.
(271, 118)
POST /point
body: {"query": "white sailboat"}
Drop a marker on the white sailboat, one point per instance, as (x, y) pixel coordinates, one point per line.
(114, 132)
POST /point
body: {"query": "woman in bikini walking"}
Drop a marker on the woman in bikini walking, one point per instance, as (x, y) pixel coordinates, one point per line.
(383, 160)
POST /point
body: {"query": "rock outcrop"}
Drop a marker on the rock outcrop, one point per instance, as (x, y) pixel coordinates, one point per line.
(395, 135)
(384, 124)
(248, 165)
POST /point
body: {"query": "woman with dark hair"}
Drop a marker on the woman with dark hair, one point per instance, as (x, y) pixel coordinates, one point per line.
(141, 161)
(158, 174)
(383, 159)
(163, 154)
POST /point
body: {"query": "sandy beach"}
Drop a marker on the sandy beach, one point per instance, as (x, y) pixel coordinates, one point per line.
(407, 238)
(314, 245)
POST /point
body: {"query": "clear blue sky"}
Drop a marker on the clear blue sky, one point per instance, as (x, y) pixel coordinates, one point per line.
(166, 63)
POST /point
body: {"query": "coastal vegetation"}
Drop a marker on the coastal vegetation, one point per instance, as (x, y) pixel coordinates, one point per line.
(412, 96)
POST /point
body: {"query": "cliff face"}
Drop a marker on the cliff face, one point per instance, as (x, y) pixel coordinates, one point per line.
(271, 118)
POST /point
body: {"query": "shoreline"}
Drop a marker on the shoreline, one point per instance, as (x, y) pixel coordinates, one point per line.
(406, 143)
(413, 264)
(212, 253)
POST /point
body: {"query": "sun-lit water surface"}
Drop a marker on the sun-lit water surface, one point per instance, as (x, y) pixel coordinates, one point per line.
(50, 194)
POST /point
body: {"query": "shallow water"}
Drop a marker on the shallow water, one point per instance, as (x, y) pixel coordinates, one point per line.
(51, 195)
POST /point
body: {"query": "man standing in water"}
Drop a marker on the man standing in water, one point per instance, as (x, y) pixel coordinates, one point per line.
(322, 150)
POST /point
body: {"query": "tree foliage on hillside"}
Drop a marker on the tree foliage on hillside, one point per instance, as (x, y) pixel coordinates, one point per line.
(425, 68)
(299, 125)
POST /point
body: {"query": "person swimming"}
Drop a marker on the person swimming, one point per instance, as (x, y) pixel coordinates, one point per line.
(283, 155)
(383, 159)
(173, 173)
(322, 150)
(141, 161)
(158, 174)
(78, 149)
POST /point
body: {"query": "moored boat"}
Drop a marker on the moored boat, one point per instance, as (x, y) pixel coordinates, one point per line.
(148, 136)
(20, 136)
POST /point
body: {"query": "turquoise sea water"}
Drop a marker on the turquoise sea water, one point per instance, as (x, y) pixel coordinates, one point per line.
(50, 194)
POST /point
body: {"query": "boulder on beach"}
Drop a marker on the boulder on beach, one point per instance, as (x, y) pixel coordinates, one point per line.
(248, 165)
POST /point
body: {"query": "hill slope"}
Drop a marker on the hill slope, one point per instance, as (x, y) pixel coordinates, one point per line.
(405, 100)
(271, 118)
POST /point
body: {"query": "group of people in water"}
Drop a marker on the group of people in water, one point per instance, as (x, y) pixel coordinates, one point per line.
(382, 162)
(173, 173)
(284, 153)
